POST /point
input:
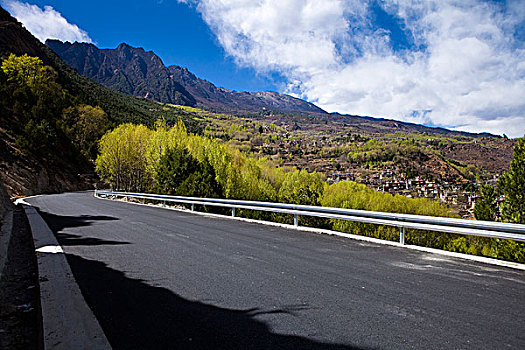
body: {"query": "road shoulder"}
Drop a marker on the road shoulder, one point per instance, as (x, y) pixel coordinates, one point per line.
(68, 322)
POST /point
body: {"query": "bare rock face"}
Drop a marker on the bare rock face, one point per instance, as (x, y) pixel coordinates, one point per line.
(134, 71)
(126, 69)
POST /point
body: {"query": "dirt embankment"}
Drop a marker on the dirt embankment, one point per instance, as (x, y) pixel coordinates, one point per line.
(25, 174)
(5, 202)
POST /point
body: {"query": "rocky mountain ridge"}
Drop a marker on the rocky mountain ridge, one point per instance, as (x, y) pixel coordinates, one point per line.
(142, 73)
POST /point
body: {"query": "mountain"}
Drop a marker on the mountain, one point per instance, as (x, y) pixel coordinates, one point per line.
(137, 72)
(36, 153)
(126, 69)
(134, 71)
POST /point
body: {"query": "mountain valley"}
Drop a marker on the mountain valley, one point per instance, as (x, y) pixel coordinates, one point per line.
(383, 154)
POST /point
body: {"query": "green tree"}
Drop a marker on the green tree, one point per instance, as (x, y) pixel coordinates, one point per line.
(512, 186)
(179, 173)
(84, 125)
(487, 204)
(37, 137)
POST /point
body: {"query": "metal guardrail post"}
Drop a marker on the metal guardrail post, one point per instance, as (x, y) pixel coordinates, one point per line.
(233, 212)
(295, 220)
(193, 207)
(164, 204)
(402, 235)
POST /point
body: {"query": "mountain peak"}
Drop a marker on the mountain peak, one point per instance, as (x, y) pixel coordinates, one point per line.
(123, 46)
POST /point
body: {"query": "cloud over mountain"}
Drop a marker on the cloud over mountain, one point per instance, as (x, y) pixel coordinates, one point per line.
(45, 23)
(457, 64)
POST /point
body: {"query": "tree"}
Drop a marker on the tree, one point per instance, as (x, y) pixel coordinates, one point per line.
(33, 97)
(301, 187)
(179, 173)
(26, 70)
(46, 97)
(84, 125)
(512, 186)
(122, 159)
(162, 139)
(487, 204)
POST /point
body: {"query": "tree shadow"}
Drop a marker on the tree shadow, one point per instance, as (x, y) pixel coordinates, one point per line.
(57, 224)
(135, 315)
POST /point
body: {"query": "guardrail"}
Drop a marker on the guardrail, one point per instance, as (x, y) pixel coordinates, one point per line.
(490, 229)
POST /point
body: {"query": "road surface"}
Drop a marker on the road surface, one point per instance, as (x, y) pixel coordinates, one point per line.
(158, 278)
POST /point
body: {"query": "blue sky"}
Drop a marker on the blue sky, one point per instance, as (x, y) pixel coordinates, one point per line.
(174, 31)
(458, 64)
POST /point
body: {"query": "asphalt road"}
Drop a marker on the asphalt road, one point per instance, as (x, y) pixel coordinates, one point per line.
(158, 278)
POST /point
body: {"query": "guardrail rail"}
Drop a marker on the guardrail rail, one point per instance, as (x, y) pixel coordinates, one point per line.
(490, 229)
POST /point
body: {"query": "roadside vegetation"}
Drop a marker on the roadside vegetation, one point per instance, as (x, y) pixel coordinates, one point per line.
(511, 187)
(44, 111)
(170, 160)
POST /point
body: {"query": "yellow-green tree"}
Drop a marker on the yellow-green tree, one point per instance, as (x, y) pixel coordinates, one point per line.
(27, 70)
(35, 100)
(350, 195)
(122, 161)
(301, 187)
(162, 139)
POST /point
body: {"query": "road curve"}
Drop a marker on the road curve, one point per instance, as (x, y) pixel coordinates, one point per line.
(158, 278)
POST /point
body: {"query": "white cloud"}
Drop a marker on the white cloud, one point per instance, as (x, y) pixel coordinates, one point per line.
(45, 23)
(468, 75)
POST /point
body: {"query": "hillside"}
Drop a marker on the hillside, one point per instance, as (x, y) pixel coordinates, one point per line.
(38, 154)
(386, 155)
(143, 74)
(330, 145)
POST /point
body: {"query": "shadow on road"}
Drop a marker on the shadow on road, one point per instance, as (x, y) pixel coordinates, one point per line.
(135, 315)
(57, 224)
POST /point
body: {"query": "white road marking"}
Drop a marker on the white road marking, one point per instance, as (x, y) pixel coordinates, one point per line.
(52, 249)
